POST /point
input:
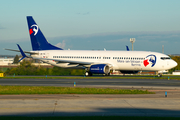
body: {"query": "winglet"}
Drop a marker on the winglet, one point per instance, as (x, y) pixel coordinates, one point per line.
(22, 53)
(127, 48)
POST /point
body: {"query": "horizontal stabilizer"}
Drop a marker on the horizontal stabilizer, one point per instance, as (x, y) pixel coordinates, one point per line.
(19, 51)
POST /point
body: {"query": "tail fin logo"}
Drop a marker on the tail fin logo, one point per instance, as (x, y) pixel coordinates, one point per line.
(34, 29)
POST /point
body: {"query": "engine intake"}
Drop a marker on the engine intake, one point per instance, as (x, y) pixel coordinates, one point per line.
(99, 69)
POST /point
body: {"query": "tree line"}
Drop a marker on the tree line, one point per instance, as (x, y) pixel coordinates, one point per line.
(177, 59)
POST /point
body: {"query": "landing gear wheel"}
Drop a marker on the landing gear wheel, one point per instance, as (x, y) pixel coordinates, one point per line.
(159, 75)
(88, 74)
(107, 74)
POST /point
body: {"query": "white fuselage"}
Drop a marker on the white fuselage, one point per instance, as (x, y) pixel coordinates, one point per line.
(117, 60)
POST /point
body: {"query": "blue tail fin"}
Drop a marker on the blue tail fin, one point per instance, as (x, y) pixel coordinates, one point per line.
(38, 41)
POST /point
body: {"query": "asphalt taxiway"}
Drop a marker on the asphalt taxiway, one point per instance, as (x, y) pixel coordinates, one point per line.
(151, 83)
(94, 105)
(90, 105)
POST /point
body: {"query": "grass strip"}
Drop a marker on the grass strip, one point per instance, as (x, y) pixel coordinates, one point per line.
(90, 118)
(65, 90)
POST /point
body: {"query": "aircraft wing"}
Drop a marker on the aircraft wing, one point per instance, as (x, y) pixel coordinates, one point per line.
(67, 61)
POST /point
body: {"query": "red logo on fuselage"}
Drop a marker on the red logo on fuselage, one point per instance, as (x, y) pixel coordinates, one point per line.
(145, 62)
(150, 60)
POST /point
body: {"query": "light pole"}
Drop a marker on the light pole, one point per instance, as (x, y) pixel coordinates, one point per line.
(132, 40)
(163, 49)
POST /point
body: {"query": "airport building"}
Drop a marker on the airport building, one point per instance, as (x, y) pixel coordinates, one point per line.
(6, 61)
(176, 72)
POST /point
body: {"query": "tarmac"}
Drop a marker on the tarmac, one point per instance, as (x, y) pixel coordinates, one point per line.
(98, 105)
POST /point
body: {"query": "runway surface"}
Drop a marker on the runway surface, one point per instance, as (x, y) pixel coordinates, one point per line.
(94, 105)
(94, 82)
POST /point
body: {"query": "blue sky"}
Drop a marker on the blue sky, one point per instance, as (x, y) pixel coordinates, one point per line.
(93, 24)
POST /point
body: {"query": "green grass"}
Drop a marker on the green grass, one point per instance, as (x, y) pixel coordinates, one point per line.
(65, 90)
(89, 118)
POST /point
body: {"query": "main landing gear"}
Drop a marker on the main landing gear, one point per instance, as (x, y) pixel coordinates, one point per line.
(108, 74)
(88, 73)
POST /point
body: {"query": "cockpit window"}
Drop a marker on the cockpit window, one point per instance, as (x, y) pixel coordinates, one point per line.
(165, 58)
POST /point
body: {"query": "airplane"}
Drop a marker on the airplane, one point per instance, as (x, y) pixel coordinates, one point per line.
(94, 62)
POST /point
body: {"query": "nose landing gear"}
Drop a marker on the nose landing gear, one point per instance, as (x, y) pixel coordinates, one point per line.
(159, 74)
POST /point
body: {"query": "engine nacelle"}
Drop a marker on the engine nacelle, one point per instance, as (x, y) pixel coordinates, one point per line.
(128, 72)
(99, 69)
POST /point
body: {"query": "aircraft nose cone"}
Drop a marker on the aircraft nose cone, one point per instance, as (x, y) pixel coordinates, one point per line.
(174, 63)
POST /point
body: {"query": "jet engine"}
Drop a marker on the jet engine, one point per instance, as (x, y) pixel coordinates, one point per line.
(99, 69)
